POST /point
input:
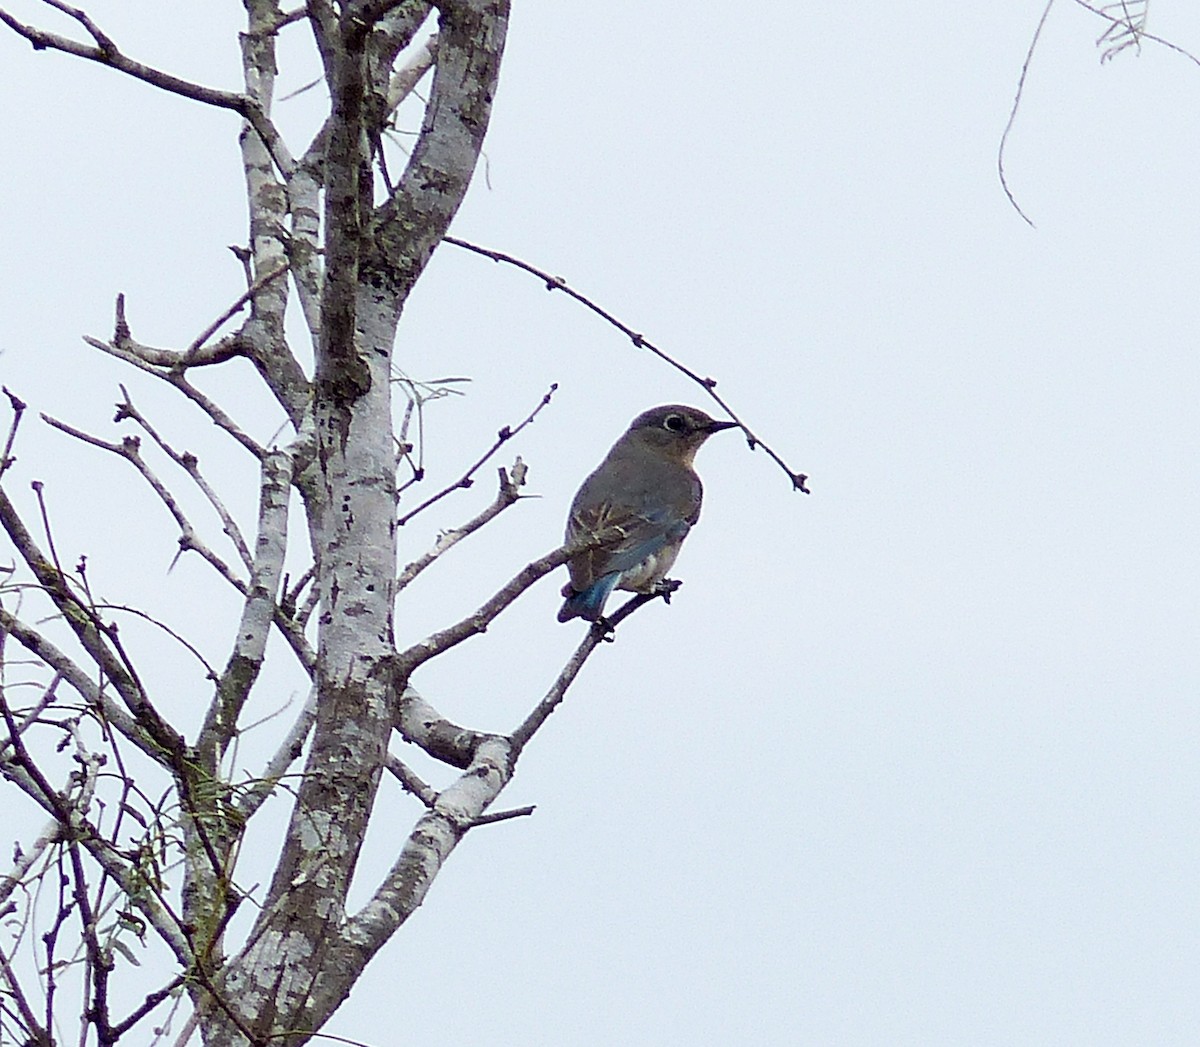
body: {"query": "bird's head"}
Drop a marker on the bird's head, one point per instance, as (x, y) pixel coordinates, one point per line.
(674, 430)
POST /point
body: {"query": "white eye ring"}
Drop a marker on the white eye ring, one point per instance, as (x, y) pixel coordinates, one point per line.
(676, 423)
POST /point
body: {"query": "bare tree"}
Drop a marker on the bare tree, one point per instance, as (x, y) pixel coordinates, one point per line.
(145, 820)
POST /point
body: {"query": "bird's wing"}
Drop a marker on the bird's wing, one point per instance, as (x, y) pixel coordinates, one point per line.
(633, 507)
(627, 536)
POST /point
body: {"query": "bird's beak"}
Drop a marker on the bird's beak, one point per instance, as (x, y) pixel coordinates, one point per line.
(715, 426)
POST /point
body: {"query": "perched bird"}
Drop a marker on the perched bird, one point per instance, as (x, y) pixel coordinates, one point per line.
(640, 502)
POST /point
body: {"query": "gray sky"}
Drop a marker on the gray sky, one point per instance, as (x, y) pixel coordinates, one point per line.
(908, 761)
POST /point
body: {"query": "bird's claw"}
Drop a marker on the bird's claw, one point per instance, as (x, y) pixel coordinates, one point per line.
(665, 587)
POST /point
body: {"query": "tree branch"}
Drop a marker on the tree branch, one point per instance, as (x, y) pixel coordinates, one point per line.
(421, 724)
(411, 223)
(709, 385)
(18, 408)
(105, 52)
(34, 642)
(130, 449)
(502, 437)
(36, 1034)
(152, 361)
(287, 754)
(90, 633)
(418, 654)
(600, 632)
(410, 781)
(190, 464)
(193, 355)
(245, 661)
(430, 843)
(509, 494)
(23, 772)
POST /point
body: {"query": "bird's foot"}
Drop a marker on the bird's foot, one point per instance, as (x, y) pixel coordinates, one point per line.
(665, 587)
(605, 630)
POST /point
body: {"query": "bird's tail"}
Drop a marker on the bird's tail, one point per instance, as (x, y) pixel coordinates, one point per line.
(589, 603)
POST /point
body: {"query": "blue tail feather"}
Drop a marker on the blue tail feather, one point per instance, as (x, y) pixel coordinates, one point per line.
(590, 602)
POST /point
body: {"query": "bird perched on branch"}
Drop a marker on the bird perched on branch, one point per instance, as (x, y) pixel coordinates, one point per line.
(637, 507)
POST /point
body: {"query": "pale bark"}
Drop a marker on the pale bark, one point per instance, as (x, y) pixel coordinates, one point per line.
(329, 225)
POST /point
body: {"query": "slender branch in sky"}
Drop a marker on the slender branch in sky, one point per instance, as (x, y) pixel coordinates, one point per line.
(467, 479)
(105, 52)
(709, 385)
(509, 494)
(1126, 28)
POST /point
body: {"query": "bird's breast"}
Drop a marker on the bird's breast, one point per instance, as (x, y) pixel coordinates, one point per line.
(643, 577)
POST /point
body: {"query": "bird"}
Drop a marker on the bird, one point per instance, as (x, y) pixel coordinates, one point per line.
(633, 512)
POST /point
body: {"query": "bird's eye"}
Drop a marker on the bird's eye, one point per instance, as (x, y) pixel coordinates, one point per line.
(675, 422)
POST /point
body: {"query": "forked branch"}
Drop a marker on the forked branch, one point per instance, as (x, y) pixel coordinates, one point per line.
(104, 51)
(508, 495)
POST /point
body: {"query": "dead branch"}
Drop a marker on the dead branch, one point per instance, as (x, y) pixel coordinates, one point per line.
(489, 761)
(258, 611)
(190, 464)
(509, 494)
(105, 52)
(130, 449)
(421, 724)
(410, 781)
(18, 409)
(419, 653)
(37, 1034)
(194, 355)
(502, 816)
(96, 699)
(286, 754)
(22, 771)
(599, 633)
(98, 640)
(153, 361)
(709, 385)
(1122, 22)
(467, 479)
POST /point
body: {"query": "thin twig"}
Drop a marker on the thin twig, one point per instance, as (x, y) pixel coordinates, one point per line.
(31, 715)
(410, 781)
(151, 1001)
(183, 641)
(37, 1035)
(502, 816)
(1141, 35)
(190, 464)
(93, 696)
(599, 633)
(288, 752)
(191, 355)
(1012, 114)
(509, 494)
(502, 437)
(106, 52)
(557, 283)
(18, 408)
(1124, 23)
(130, 449)
(129, 356)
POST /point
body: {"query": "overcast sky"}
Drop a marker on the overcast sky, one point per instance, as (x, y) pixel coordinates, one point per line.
(911, 760)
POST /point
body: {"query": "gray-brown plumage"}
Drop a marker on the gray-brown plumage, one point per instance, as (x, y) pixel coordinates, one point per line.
(641, 502)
